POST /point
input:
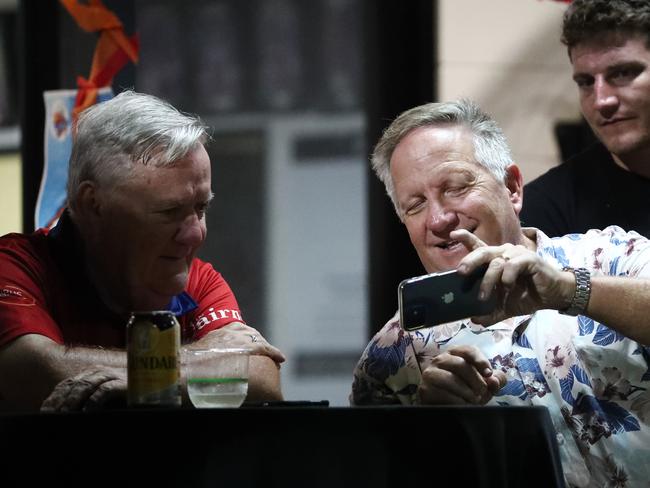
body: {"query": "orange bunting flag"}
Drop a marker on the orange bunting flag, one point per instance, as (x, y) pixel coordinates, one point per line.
(114, 49)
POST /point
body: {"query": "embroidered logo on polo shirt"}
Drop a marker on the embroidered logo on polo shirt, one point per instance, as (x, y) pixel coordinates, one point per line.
(12, 295)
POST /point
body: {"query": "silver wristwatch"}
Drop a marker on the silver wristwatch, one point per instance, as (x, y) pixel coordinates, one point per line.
(580, 299)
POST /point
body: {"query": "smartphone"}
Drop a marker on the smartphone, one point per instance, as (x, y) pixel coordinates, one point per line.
(289, 403)
(438, 298)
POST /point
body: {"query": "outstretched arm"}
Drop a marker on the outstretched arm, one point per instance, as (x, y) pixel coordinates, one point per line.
(622, 304)
(525, 283)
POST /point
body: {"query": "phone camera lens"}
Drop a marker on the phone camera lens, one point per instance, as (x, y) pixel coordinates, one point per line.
(415, 316)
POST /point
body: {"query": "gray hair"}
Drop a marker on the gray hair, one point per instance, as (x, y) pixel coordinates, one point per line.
(112, 137)
(490, 147)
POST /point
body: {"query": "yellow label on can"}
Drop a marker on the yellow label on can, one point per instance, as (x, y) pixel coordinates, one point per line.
(153, 369)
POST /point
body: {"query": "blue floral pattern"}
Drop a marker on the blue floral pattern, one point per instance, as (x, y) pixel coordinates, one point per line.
(594, 381)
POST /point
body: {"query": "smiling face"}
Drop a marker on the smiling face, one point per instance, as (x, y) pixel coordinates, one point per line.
(613, 77)
(439, 187)
(142, 234)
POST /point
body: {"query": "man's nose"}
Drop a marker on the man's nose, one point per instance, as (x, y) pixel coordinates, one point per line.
(605, 98)
(192, 231)
(441, 219)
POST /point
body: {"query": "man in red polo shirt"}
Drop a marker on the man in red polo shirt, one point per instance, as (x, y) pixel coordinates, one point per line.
(139, 184)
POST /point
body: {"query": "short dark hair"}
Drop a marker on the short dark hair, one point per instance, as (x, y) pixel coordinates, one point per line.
(587, 19)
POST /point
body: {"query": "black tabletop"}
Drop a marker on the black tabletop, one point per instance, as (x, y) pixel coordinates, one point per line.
(280, 447)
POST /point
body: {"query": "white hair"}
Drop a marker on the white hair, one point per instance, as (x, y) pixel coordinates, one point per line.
(111, 137)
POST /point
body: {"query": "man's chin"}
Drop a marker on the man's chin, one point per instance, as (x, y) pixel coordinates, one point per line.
(158, 297)
(443, 261)
(625, 144)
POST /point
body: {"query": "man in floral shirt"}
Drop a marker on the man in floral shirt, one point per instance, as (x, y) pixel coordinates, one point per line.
(573, 313)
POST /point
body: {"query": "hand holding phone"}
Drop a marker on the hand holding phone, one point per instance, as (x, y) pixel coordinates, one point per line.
(438, 298)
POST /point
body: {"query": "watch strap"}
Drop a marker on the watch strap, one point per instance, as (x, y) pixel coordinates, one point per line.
(580, 299)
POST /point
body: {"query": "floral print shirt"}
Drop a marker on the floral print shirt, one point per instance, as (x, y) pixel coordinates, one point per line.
(594, 381)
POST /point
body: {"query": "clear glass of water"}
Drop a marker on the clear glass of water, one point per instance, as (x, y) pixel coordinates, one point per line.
(217, 378)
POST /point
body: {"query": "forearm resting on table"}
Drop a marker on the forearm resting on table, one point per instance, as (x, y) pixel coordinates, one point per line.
(263, 379)
(265, 359)
(37, 363)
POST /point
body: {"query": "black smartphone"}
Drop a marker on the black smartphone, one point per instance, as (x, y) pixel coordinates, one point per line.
(438, 298)
(289, 403)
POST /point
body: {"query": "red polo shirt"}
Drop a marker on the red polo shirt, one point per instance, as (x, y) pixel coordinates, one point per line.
(44, 290)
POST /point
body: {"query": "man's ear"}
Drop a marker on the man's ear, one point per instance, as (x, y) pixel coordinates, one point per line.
(88, 200)
(515, 185)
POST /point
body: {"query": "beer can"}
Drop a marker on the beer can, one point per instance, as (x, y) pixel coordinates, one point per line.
(153, 359)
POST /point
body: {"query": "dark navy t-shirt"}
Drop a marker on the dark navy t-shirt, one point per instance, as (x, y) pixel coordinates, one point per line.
(589, 191)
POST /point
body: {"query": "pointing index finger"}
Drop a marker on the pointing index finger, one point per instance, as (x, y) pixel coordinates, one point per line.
(465, 237)
(472, 243)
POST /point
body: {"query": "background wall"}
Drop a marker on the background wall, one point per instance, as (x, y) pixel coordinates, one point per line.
(507, 56)
(10, 195)
(10, 170)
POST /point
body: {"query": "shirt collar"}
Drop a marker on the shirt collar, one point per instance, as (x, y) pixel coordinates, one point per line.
(182, 304)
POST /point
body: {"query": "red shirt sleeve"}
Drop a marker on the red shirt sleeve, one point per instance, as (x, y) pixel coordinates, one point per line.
(217, 305)
(23, 305)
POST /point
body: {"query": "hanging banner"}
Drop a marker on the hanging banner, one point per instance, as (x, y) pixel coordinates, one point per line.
(113, 50)
(59, 107)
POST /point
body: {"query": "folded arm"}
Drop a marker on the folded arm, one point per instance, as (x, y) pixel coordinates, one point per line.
(37, 364)
(56, 377)
(265, 359)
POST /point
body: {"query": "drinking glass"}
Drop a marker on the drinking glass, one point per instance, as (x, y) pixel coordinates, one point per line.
(217, 378)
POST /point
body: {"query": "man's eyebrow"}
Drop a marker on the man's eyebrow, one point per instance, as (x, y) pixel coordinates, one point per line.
(181, 201)
(167, 204)
(176, 203)
(625, 64)
(581, 75)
